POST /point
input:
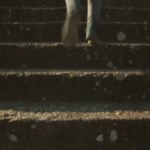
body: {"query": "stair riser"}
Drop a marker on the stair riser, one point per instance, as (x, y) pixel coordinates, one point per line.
(68, 86)
(104, 56)
(75, 135)
(44, 15)
(54, 3)
(52, 32)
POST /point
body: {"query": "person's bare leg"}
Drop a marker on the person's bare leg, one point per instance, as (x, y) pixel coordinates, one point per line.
(93, 18)
(70, 27)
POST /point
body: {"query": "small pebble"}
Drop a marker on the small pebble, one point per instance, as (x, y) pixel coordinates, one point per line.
(130, 62)
(33, 126)
(121, 36)
(12, 138)
(43, 98)
(110, 64)
(143, 96)
(8, 32)
(120, 76)
(100, 138)
(97, 83)
(113, 135)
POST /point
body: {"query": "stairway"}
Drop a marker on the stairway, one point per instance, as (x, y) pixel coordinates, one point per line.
(82, 97)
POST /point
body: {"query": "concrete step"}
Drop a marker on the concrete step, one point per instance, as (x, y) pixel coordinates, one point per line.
(57, 56)
(75, 126)
(99, 85)
(50, 31)
(25, 14)
(54, 3)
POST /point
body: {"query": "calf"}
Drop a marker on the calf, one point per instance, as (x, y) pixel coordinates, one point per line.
(70, 27)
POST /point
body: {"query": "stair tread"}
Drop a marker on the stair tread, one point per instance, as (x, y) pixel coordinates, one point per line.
(61, 22)
(108, 85)
(82, 44)
(114, 32)
(84, 111)
(52, 3)
(74, 72)
(57, 56)
(62, 7)
(29, 14)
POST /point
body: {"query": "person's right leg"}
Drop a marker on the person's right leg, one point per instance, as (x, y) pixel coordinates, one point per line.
(93, 16)
(70, 27)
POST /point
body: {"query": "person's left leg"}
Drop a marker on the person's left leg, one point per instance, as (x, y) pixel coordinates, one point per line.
(93, 16)
(70, 28)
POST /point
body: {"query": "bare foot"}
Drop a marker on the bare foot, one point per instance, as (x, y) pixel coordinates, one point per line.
(70, 31)
(93, 43)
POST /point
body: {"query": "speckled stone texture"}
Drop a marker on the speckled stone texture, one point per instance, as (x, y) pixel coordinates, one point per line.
(56, 56)
(81, 97)
(99, 85)
(74, 126)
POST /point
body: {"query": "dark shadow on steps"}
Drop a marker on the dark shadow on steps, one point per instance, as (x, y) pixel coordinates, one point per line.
(72, 106)
(76, 135)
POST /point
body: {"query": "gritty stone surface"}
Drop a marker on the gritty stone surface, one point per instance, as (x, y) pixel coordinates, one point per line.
(83, 45)
(120, 76)
(73, 73)
(132, 46)
(118, 113)
(89, 110)
(78, 84)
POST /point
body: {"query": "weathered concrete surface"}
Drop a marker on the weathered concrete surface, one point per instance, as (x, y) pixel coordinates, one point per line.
(97, 126)
(26, 14)
(50, 55)
(75, 135)
(107, 85)
(75, 110)
(60, 109)
(45, 31)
